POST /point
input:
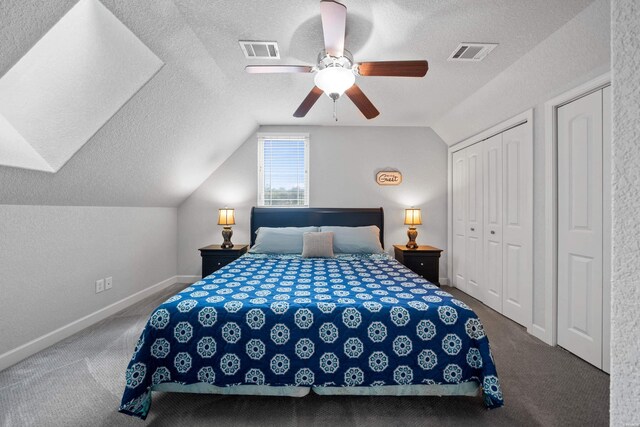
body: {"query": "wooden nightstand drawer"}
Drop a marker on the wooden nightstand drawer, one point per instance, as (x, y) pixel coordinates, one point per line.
(221, 261)
(214, 257)
(416, 263)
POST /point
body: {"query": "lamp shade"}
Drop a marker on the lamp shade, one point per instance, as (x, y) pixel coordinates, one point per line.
(334, 80)
(226, 216)
(412, 217)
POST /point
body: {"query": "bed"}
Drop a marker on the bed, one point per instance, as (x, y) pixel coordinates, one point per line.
(283, 325)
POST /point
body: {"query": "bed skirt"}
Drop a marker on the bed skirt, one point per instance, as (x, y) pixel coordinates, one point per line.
(469, 388)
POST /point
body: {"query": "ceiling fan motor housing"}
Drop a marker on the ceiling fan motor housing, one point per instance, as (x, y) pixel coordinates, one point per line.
(325, 60)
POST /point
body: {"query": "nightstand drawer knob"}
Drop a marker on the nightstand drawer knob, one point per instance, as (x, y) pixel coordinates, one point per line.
(422, 264)
(473, 229)
(493, 232)
(219, 263)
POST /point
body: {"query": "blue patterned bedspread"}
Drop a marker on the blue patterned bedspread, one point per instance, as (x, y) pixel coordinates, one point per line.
(289, 321)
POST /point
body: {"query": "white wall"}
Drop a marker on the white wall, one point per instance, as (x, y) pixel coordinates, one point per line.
(574, 54)
(51, 256)
(625, 286)
(343, 164)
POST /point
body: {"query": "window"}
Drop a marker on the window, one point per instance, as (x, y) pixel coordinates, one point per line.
(283, 170)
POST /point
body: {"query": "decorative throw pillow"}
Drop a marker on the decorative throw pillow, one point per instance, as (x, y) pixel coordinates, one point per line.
(317, 245)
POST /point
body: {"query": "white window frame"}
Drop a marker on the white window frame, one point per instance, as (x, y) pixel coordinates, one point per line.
(289, 136)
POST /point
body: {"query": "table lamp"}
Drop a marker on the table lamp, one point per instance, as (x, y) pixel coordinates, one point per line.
(412, 217)
(226, 218)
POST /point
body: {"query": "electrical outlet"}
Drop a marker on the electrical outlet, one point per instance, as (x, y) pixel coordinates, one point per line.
(99, 286)
(108, 283)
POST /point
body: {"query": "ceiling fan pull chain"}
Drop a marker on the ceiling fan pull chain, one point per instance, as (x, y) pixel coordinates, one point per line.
(335, 110)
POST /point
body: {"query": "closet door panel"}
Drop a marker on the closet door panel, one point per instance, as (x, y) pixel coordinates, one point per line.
(492, 159)
(517, 269)
(580, 249)
(459, 219)
(474, 213)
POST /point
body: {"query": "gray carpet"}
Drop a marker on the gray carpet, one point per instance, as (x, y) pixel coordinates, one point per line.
(79, 382)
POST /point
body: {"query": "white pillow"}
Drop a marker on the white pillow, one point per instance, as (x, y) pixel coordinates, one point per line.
(355, 240)
(279, 240)
(317, 245)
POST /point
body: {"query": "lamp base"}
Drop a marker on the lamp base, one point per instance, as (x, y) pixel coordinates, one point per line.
(412, 233)
(227, 232)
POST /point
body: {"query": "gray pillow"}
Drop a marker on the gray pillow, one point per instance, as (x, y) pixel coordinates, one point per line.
(356, 240)
(279, 240)
(317, 245)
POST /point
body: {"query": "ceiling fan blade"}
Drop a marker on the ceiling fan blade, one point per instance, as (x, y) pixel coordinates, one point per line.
(362, 102)
(334, 22)
(267, 69)
(308, 102)
(394, 68)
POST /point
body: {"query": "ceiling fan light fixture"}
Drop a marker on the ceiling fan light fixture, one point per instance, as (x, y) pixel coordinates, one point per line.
(334, 81)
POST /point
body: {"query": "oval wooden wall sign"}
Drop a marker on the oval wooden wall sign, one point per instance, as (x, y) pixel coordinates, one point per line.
(388, 178)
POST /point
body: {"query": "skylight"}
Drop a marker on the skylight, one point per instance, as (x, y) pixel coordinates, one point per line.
(71, 82)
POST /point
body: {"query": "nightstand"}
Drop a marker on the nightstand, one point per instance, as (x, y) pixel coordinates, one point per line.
(424, 261)
(215, 257)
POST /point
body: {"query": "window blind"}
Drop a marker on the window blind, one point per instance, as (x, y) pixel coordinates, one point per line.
(283, 170)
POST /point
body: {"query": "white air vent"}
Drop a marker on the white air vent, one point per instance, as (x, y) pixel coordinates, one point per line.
(472, 51)
(259, 50)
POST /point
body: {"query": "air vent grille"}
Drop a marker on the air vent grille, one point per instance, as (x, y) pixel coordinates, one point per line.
(472, 51)
(259, 49)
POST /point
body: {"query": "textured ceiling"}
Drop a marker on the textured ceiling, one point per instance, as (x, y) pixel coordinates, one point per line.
(201, 105)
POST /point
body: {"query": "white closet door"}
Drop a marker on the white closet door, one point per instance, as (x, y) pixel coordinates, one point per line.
(606, 228)
(492, 280)
(517, 237)
(474, 200)
(459, 219)
(580, 227)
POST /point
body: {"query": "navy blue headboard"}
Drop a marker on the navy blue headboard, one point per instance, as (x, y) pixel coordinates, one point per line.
(305, 217)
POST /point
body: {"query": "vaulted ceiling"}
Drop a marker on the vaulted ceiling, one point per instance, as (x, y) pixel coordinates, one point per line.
(179, 127)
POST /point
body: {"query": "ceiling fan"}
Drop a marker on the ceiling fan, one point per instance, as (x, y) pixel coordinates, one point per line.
(336, 71)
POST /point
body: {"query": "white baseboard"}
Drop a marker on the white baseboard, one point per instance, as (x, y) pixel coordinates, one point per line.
(444, 281)
(14, 356)
(188, 279)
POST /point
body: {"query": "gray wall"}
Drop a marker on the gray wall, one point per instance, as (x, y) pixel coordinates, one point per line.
(625, 286)
(343, 162)
(51, 256)
(576, 53)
